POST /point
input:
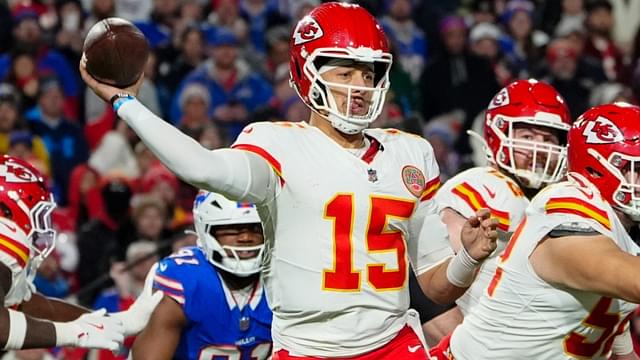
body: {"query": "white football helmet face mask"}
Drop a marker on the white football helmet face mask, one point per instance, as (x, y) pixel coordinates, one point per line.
(323, 100)
(211, 210)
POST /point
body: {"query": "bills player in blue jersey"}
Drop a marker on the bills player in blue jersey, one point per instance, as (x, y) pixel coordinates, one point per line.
(214, 305)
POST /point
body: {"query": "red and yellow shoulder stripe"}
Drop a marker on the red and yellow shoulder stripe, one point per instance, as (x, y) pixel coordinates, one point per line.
(575, 206)
(15, 249)
(430, 189)
(275, 164)
(475, 201)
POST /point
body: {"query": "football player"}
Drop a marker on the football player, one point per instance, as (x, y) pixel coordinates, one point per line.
(565, 285)
(27, 319)
(214, 302)
(525, 132)
(344, 208)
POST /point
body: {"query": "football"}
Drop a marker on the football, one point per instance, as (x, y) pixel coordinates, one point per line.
(116, 52)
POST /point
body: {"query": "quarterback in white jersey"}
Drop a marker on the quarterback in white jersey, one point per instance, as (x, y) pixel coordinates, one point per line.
(344, 209)
(524, 138)
(567, 282)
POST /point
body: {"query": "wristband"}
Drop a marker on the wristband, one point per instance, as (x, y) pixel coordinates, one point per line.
(462, 269)
(17, 330)
(118, 99)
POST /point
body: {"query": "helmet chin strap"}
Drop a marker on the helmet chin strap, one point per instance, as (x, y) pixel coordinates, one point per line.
(345, 126)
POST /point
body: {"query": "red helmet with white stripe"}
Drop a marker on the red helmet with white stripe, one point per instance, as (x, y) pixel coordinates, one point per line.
(533, 103)
(604, 148)
(26, 202)
(337, 33)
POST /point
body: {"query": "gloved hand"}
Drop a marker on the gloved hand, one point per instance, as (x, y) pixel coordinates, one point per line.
(94, 330)
(136, 317)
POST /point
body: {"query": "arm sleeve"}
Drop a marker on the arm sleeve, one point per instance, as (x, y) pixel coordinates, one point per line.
(236, 174)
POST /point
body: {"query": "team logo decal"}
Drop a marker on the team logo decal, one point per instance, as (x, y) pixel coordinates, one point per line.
(307, 30)
(413, 179)
(16, 173)
(602, 131)
(501, 99)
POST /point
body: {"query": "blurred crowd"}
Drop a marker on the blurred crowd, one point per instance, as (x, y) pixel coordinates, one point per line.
(218, 65)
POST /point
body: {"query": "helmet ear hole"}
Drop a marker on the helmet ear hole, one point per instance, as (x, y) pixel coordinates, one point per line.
(5, 210)
(593, 172)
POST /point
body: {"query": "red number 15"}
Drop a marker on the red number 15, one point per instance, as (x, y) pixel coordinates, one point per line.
(379, 239)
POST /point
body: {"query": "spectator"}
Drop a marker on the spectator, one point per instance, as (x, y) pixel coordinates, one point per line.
(457, 79)
(69, 38)
(191, 54)
(626, 21)
(484, 40)
(525, 47)
(442, 133)
(226, 14)
(149, 215)
(195, 101)
(235, 89)
(21, 145)
(29, 41)
(114, 155)
(600, 45)
(64, 139)
(563, 66)
(261, 16)
(483, 11)
(408, 40)
(84, 201)
(103, 240)
(49, 280)
(10, 121)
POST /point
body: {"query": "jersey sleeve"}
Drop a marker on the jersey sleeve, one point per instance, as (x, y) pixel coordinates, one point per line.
(263, 140)
(477, 188)
(170, 278)
(565, 207)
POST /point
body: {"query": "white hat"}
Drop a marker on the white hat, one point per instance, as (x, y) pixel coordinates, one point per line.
(484, 30)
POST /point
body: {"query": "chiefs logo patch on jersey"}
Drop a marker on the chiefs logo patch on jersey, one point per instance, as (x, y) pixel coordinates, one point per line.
(501, 99)
(602, 131)
(307, 30)
(413, 179)
(16, 173)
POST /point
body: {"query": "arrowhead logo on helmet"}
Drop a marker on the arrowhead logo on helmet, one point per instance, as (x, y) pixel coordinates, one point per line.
(307, 30)
(602, 131)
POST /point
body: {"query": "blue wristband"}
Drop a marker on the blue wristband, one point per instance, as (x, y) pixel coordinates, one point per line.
(120, 100)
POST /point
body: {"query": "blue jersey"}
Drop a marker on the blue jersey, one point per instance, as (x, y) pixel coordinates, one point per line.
(216, 327)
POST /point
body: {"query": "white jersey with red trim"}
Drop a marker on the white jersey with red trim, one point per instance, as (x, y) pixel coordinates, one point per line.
(339, 234)
(521, 316)
(484, 187)
(15, 254)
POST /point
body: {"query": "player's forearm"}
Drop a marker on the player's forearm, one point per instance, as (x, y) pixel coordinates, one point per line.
(436, 285)
(229, 172)
(42, 307)
(18, 331)
(153, 346)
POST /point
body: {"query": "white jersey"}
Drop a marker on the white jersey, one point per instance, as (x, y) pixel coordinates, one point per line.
(344, 229)
(521, 316)
(484, 187)
(16, 255)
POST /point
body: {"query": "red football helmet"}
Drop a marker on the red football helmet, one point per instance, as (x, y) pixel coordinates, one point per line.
(26, 203)
(534, 103)
(604, 148)
(337, 34)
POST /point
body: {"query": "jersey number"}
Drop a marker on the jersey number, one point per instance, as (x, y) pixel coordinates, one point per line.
(379, 239)
(576, 344)
(184, 256)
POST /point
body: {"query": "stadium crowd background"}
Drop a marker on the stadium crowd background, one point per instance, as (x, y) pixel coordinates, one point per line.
(218, 65)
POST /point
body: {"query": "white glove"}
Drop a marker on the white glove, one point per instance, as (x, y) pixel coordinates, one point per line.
(95, 330)
(137, 316)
